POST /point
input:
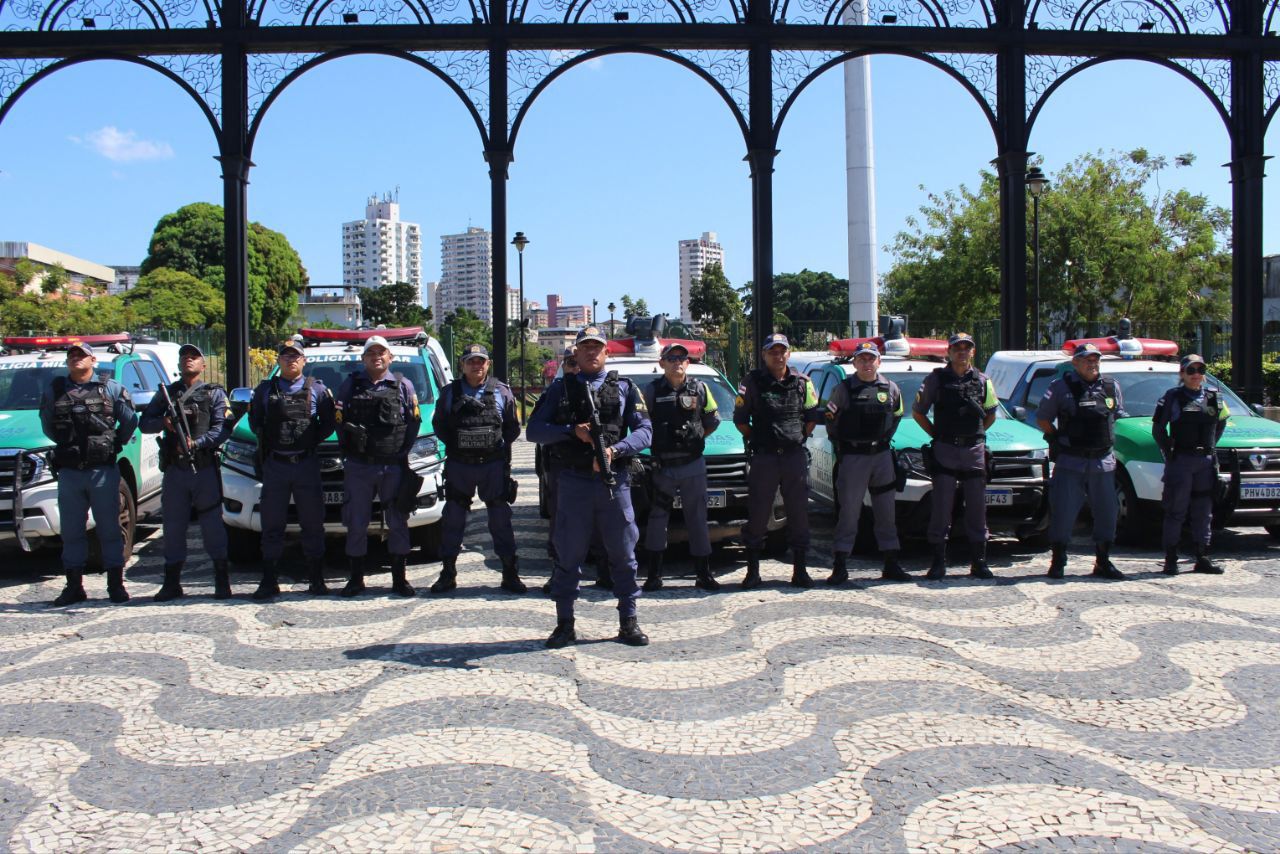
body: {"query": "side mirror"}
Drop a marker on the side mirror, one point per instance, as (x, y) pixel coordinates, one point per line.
(1020, 413)
(240, 400)
(141, 399)
(1258, 408)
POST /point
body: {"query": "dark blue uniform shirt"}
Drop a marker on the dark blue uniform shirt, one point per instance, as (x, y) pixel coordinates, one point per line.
(321, 404)
(635, 418)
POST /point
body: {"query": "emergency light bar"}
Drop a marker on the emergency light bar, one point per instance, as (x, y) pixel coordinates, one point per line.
(916, 347)
(628, 347)
(63, 342)
(359, 336)
(1126, 347)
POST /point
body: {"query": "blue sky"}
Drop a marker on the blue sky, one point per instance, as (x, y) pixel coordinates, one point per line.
(615, 162)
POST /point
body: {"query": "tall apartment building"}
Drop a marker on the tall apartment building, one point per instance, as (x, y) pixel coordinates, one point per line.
(466, 274)
(381, 249)
(694, 256)
(561, 315)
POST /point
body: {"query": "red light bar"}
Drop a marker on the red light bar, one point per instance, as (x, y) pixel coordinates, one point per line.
(911, 347)
(1125, 346)
(846, 346)
(57, 342)
(627, 347)
(621, 347)
(359, 336)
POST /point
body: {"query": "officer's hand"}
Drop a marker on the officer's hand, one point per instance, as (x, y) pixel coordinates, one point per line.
(583, 432)
(191, 444)
(608, 457)
(168, 424)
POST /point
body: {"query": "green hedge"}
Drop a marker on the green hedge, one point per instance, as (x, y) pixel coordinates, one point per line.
(1270, 375)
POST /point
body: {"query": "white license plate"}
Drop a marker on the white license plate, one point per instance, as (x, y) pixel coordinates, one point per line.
(999, 497)
(1258, 491)
(334, 496)
(715, 498)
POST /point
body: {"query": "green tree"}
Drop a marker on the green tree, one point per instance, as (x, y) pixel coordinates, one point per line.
(393, 305)
(713, 303)
(468, 329)
(171, 299)
(55, 280)
(633, 308)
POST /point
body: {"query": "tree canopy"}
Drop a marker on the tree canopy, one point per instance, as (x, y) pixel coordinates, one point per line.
(393, 305)
(633, 308)
(170, 299)
(713, 303)
(806, 297)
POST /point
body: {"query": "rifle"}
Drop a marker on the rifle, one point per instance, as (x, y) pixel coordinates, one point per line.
(178, 419)
(597, 438)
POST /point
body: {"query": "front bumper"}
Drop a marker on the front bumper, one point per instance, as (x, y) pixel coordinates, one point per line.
(1024, 515)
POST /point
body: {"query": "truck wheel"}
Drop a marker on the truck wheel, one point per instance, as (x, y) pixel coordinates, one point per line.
(243, 546)
(427, 538)
(128, 521)
(1136, 524)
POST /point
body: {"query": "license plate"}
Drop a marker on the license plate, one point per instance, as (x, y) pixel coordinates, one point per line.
(1257, 491)
(334, 496)
(715, 498)
(999, 497)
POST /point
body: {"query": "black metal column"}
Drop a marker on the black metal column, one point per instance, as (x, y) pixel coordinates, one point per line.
(761, 155)
(1011, 164)
(499, 156)
(1247, 171)
(234, 157)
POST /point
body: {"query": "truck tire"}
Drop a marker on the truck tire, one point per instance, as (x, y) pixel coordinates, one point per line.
(1137, 523)
(243, 546)
(128, 520)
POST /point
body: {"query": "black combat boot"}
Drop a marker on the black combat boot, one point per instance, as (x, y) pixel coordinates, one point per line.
(74, 591)
(978, 561)
(315, 575)
(448, 580)
(115, 585)
(938, 569)
(172, 586)
(653, 570)
(355, 577)
(604, 575)
(1203, 564)
(1058, 563)
(705, 580)
(400, 585)
(1102, 565)
(893, 570)
(511, 576)
(629, 632)
(799, 574)
(752, 579)
(269, 586)
(563, 635)
(221, 579)
(839, 571)
(1170, 561)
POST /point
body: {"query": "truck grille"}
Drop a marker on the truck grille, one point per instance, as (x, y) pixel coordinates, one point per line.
(1009, 465)
(9, 460)
(1254, 462)
(726, 470)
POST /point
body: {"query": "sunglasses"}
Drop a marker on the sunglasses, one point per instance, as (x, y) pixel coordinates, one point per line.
(1195, 369)
(676, 358)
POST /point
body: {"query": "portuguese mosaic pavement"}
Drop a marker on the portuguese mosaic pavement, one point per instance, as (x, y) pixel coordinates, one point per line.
(1019, 713)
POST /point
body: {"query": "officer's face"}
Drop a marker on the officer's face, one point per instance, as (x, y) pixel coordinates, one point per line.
(476, 370)
(377, 359)
(775, 358)
(866, 365)
(571, 365)
(192, 365)
(1193, 376)
(291, 364)
(961, 354)
(590, 356)
(1088, 367)
(80, 364)
(674, 366)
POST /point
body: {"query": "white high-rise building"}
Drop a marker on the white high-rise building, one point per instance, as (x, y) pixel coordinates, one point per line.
(466, 274)
(381, 249)
(695, 255)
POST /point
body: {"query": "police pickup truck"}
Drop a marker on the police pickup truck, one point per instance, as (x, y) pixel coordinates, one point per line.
(332, 355)
(1145, 368)
(1017, 491)
(28, 484)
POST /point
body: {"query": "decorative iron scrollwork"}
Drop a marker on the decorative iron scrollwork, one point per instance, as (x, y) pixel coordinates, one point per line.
(94, 15)
(979, 71)
(529, 69)
(730, 69)
(266, 72)
(469, 70)
(910, 13)
(1042, 72)
(792, 70)
(634, 11)
(323, 13)
(1132, 16)
(1270, 88)
(14, 73)
(202, 72)
(1215, 74)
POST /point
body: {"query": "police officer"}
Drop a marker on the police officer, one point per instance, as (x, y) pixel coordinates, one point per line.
(291, 415)
(378, 417)
(563, 425)
(1086, 406)
(1187, 424)
(476, 419)
(775, 411)
(89, 422)
(964, 406)
(193, 417)
(568, 366)
(862, 414)
(683, 412)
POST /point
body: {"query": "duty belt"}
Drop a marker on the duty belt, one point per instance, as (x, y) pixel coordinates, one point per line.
(1202, 450)
(290, 458)
(1086, 453)
(864, 448)
(964, 441)
(476, 459)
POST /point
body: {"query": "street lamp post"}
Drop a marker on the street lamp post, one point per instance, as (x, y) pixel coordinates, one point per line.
(520, 242)
(1036, 182)
(612, 308)
(594, 303)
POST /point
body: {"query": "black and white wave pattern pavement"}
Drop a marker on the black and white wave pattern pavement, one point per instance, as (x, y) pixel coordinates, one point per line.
(1019, 713)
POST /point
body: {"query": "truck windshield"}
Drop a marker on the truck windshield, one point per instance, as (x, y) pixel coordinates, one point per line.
(23, 383)
(1142, 393)
(332, 370)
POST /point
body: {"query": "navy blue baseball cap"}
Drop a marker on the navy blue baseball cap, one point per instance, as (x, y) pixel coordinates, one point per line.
(775, 340)
(674, 345)
(590, 333)
(1085, 349)
(960, 338)
(866, 347)
(1192, 359)
(190, 348)
(474, 351)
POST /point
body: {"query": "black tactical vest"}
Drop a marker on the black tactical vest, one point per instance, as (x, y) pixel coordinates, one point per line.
(778, 422)
(290, 427)
(958, 412)
(196, 406)
(1193, 422)
(1090, 424)
(676, 415)
(380, 411)
(84, 424)
(575, 409)
(476, 422)
(869, 415)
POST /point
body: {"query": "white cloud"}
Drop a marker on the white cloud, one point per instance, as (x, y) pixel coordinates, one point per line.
(123, 146)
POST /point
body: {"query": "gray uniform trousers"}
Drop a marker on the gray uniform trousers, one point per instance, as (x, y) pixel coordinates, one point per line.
(182, 491)
(858, 473)
(1068, 490)
(770, 471)
(689, 481)
(79, 492)
(461, 482)
(363, 482)
(971, 461)
(1188, 496)
(300, 479)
